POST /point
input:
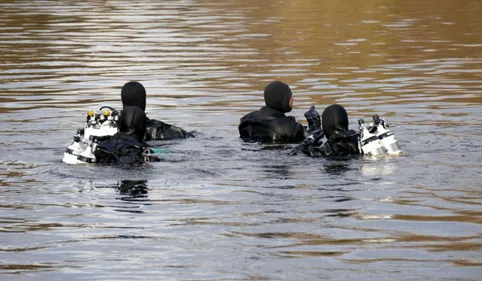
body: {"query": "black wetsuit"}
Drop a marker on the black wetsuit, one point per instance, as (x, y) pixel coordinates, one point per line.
(158, 130)
(121, 148)
(270, 124)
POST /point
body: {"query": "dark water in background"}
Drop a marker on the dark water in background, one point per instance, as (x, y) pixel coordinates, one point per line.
(218, 209)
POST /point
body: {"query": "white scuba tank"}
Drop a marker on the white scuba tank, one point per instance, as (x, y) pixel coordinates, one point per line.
(104, 126)
(370, 144)
(78, 146)
(87, 155)
(387, 137)
(85, 141)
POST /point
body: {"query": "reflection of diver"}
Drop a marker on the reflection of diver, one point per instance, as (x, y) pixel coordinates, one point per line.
(337, 167)
(133, 188)
(134, 194)
(279, 171)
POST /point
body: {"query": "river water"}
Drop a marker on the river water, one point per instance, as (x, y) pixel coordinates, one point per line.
(216, 208)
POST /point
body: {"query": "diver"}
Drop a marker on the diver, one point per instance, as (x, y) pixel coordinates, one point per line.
(125, 147)
(134, 94)
(269, 124)
(335, 139)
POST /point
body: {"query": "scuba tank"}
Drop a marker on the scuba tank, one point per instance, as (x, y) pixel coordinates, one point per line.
(370, 144)
(99, 126)
(78, 146)
(387, 137)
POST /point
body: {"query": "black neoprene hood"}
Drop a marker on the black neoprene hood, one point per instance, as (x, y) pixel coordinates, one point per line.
(277, 95)
(134, 94)
(334, 118)
(133, 122)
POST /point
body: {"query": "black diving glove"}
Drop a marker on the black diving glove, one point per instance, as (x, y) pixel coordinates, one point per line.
(313, 118)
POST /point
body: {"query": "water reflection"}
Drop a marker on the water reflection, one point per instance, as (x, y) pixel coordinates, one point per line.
(278, 171)
(134, 189)
(133, 193)
(379, 167)
(336, 166)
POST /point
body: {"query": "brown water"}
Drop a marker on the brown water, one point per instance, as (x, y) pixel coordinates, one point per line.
(218, 209)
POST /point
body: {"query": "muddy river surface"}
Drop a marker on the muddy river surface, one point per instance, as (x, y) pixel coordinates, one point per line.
(216, 208)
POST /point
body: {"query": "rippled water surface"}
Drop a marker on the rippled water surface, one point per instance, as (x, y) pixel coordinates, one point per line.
(219, 209)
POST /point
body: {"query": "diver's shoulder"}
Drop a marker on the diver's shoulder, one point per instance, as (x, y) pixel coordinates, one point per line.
(249, 116)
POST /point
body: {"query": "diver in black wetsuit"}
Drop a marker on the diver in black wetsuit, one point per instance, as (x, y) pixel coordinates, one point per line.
(340, 141)
(134, 94)
(125, 147)
(270, 124)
